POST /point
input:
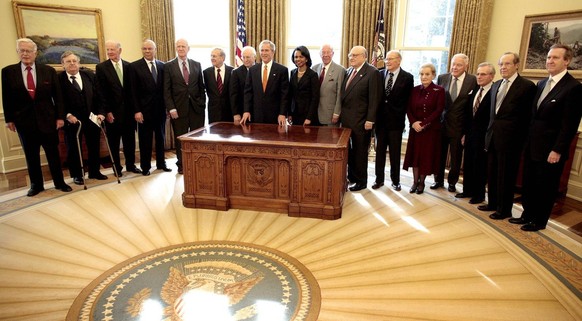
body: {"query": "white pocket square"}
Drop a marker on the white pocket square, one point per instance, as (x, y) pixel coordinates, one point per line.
(470, 92)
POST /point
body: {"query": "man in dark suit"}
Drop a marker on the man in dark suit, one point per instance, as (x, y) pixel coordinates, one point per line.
(478, 114)
(556, 109)
(33, 106)
(390, 118)
(149, 110)
(217, 82)
(184, 95)
(114, 88)
(267, 89)
(78, 88)
(458, 84)
(237, 83)
(361, 94)
(509, 118)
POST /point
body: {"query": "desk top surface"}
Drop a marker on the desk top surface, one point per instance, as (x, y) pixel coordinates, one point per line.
(227, 132)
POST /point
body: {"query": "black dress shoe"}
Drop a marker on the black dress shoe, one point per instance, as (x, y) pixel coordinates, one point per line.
(531, 227)
(413, 188)
(146, 173)
(377, 185)
(164, 168)
(462, 195)
(357, 187)
(520, 220)
(397, 187)
(134, 170)
(486, 207)
(34, 191)
(65, 188)
(78, 180)
(452, 188)
(98, 176)
(437, 185)
(420, 189)
(476, 200)
(498, 216)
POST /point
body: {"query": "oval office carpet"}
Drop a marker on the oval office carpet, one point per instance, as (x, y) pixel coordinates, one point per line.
(392, 256)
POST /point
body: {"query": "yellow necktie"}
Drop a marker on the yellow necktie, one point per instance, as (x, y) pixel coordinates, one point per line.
(265, 78)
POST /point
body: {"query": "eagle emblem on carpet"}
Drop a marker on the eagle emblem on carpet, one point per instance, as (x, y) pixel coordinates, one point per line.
(203, 281)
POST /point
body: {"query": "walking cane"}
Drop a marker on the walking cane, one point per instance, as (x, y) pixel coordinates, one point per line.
(81, 155)
(110, 154)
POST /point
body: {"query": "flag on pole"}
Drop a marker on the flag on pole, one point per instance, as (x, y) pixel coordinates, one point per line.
(241, 34)
(379, 51)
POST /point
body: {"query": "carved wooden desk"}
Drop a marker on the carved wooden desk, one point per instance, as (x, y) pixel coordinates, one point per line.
(296, 170)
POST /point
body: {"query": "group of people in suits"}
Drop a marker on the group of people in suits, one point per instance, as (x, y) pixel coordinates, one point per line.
(495, 124)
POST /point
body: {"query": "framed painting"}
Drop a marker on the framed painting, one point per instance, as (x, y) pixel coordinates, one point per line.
(540, 32)
(56, 29)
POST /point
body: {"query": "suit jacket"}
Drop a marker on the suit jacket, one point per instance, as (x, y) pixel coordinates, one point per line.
(267, 106)
(555, 122)
(304, 95)
(179, 95)
(237, 90)
(477, 124)
(454, 115)
(508, 128)
(219, 105)
(30, 114)
(330, 101)
(392, 108)
(80, 104)
(115, 97)
(360, 100)
(148, 95)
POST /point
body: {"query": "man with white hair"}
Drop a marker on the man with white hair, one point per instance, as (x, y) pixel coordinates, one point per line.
(331, 76)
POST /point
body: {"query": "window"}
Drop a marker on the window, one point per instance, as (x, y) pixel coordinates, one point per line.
(311, 24)
(209, 29)
(423, 33)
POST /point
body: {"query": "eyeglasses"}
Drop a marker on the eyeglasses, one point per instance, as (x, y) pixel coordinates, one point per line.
(25, 51)
(354, 55)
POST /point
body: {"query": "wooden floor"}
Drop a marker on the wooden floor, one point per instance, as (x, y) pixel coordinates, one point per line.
(392, 255)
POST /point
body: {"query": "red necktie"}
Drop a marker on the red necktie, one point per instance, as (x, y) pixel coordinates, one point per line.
(30, 83)
(322, 75)
(219, 81)
(352, 76)
(185, 72)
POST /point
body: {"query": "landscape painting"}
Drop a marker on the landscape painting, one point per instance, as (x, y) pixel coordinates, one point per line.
(56, 29)
(540, 32)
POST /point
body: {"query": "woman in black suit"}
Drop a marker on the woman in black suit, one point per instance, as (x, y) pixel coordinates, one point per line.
(304, 89)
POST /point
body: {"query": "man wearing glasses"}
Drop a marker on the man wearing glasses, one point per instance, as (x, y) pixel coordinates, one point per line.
(33, 107)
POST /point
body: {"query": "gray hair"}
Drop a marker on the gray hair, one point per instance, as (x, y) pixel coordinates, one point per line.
(26, 40)
(269, 42)
(488, 64)
(429, 65)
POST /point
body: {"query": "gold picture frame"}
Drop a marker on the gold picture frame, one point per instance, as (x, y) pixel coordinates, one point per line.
(56, 29)
(540, 32)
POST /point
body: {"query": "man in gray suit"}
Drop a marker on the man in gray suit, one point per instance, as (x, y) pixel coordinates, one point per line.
(331, 76)
(458, 86)
(184, 95)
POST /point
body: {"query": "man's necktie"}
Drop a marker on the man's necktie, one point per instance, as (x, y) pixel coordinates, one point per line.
(30, 82)
(501, 94)
(388, 88)
(546, 91)
(75, 83)
(185, 72)
(265, 78)
(454, 89)
(219, 83)
(119, 74)
(154, 72)
(478, 101)
(352, 76)
(322, 75)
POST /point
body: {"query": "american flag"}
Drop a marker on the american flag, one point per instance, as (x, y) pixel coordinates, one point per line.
(241, 35)
(379, 40)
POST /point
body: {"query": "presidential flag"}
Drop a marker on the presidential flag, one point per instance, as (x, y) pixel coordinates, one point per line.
(379, 51)
(241, 34)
